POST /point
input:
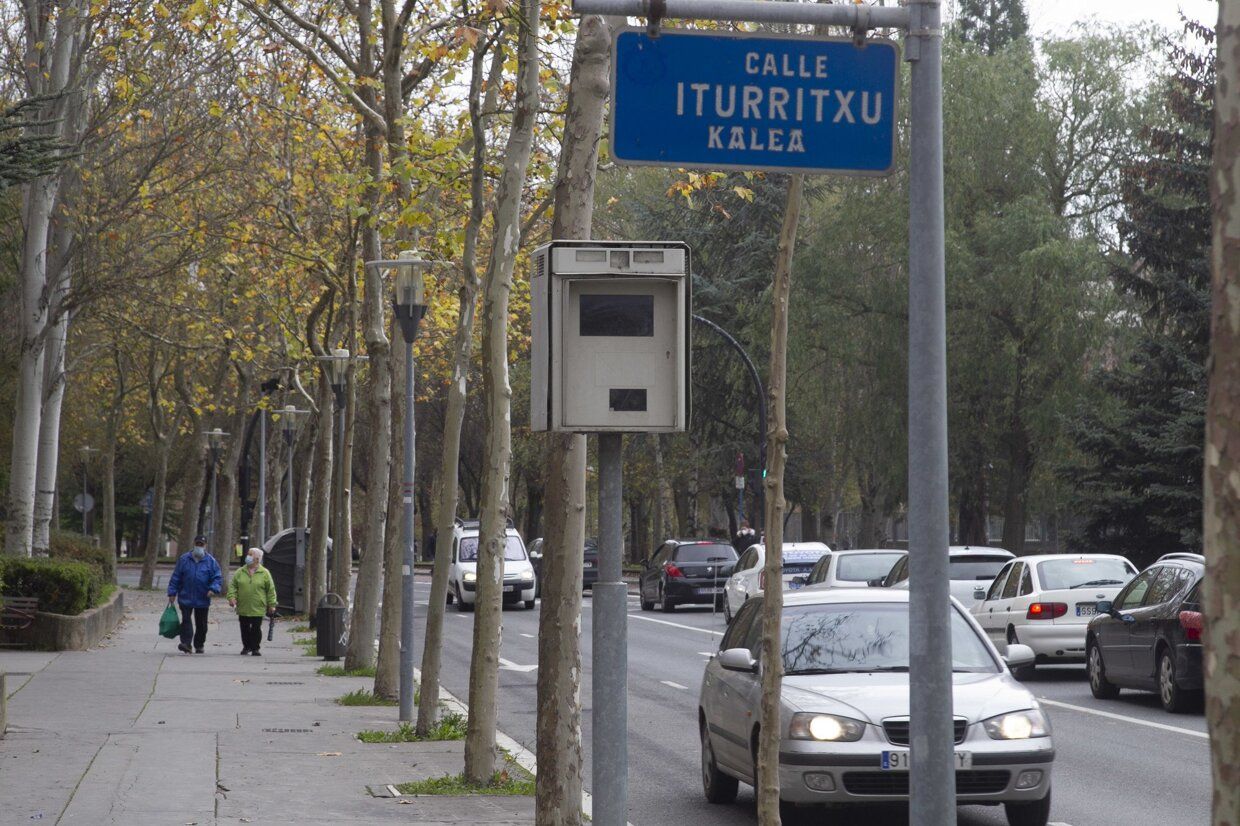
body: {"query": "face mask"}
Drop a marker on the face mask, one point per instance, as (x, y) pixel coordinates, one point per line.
(199, 552)
(249, 560)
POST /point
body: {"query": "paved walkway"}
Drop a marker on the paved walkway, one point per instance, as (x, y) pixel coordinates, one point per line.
(134, 732)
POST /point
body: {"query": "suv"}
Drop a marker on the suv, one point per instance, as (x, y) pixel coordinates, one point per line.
(852, 569)
(1149, 637)
(686, 571)
(970, 569)
(519, 581)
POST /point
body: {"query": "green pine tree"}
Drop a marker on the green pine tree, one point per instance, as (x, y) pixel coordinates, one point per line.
(992, 24)
(1140, 475)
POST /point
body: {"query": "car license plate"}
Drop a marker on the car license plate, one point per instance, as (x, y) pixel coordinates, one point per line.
(705, 592)
(587, 564)
(1086, 609)
(898, 761)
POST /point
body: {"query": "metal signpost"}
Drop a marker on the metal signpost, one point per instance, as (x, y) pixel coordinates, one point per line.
(736, 101)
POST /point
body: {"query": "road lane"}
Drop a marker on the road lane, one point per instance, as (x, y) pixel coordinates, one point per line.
(1109, 770)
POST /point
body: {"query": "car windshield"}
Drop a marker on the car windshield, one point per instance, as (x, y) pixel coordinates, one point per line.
(514, 551)
(864, 567)
(834, 639)
(983, 568)
(705, 553)
(1065, 574)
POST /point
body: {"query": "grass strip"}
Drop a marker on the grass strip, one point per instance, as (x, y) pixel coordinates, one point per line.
(513, 780)
(339, 671)
(449, 727)
(363, 697)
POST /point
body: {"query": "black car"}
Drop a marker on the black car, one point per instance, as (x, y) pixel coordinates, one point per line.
(686, 572)
(589, 564)
(1149, 637)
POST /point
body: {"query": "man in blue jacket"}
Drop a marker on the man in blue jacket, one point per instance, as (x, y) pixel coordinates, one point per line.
(196, 578)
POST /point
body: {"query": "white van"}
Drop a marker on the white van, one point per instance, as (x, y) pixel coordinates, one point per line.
(519, 582)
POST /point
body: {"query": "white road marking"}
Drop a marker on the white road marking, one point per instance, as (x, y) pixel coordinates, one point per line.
(524, 757)
(671, 684)
(509, 665)
(677, 625)
(707, 653)
(527, 636)
(1111, 716)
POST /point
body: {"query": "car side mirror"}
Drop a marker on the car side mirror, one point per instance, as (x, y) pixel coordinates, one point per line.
(877, 582)
(979, 593)
(800, 580)
(1105, 606)
(1018, 655)
(739, 659)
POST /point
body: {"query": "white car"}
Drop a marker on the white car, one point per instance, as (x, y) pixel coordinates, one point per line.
(1046, 602)
(844, 709)
(852, 569)
(969, 567)
(747, 578)
(519, 580)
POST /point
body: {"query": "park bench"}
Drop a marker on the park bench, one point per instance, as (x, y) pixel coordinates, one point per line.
(16, 614)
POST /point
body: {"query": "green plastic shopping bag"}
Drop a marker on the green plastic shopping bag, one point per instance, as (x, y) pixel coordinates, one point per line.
(169, 623)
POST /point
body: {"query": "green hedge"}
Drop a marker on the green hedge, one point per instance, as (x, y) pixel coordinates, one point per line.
(75, 547)
(63, 587)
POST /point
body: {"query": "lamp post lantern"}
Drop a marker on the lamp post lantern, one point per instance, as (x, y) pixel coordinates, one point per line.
(410, 306)
(215, 445)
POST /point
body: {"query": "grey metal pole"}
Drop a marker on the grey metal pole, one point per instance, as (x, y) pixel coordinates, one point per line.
(610, 657)
(262, 478)
(340, 503)
(406, 581)
(211, 519)
(933, 776)
(289, 495)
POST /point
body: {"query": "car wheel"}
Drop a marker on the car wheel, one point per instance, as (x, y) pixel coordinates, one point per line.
(529, 605)
(647, 605)
(1099, 685)
(1173, 698)
(463, 606)
(1033, 813)
(449, 597)
(718, 787)
(665, 602)
(1023, 672)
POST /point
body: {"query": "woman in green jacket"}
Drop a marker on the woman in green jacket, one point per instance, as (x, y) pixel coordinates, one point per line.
(252, 592)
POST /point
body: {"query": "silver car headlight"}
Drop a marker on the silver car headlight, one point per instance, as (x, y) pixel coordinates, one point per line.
(527, 576)
(1018, 725)
(470, 576)
(825, 727)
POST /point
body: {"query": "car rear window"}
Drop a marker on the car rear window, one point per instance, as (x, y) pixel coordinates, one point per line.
(864, 567)
(514, 551)
(705, 553)
(1060, 574)
(983, 568)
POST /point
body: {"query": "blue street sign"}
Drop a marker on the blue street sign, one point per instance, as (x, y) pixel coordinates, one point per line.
(737, 101)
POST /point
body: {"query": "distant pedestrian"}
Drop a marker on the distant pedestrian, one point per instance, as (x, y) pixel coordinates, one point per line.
(745, 536)
(196, 577)
(252, 592)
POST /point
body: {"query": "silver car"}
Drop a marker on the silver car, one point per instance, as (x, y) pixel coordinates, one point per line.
(845, 708)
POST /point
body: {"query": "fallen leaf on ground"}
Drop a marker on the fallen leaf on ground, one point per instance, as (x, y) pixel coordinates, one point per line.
(329, 754)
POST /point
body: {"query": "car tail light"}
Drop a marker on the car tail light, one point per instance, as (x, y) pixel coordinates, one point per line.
(1046, 610)
(671, 570)
(1192, 622)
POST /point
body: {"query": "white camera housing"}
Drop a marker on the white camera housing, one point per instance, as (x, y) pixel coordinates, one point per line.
(610, 344)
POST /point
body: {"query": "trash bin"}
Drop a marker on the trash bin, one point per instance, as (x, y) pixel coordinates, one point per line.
(329, 627)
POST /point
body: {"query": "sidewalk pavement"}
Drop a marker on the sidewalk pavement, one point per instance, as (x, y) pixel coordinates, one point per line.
(134, 732)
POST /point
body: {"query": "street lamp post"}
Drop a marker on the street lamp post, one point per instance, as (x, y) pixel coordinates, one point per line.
(88, 522)
(288, 425)
(410, 306)
(215, 444)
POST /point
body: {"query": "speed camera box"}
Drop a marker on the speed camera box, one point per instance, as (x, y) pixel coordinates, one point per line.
(610, 344)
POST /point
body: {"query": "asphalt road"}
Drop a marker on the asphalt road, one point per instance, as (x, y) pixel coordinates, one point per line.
(1119, 762)
(1122, 761)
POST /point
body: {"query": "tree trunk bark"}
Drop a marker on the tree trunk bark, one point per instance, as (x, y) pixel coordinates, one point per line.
(1020, 466)
(454, 417)
(387, 668)
(226, 519)
(497, 393)
(1222, 460)
(558, 785)
(321, 498)
(49, 430)
(777, 437)
(158, 502)
(191, 493)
